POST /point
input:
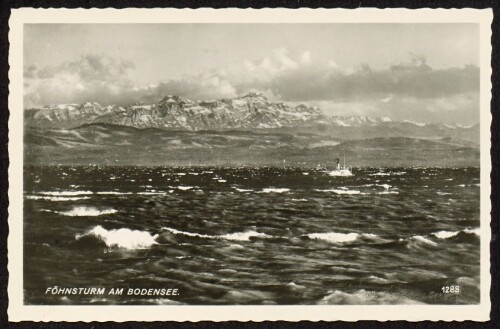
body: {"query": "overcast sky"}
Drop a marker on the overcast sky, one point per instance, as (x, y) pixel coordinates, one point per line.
(420, 72)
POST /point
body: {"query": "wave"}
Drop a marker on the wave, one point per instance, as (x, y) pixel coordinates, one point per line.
(56, 198)
(151, 193)
(388, 192)
(243, 236)
(335, 237)
(121, 238)
(445, 234)
(364, 297)
(241, 189)
(399, 173)
(386, 186)
(338, 191)
(113, 193)
(476, 231)
(275, 190)
(451, 234)
(422, 239)
(67, 193)
(185, 188)
(83, 211)
(238, 236)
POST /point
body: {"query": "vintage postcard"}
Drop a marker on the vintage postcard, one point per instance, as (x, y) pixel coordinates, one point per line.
(240, 164)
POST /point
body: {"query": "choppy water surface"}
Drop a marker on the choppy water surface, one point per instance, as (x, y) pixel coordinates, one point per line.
(252, 235)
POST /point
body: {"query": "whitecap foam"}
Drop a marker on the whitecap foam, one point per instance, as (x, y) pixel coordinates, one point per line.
(83, 211)
(151, 193)
(222, 180)
(275, 190)
(476, 231)
(364, 297)
(300, 200)
(424, 240)
(380, 174)
(174, 231)
(243, 236)
(340, 191)
(56, 198)
(445, 234)
(238, 236)
(241, 189)
(67, 193)
(113, 193)
(388, 192)
(386, 186)
(450, 234)
(334, 237)
(184, 188)
(122, 238)
(305, 173)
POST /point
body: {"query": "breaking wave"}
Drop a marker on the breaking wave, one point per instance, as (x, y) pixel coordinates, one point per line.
(335, 237)
(364, 297)
(275, 190)
(67, 193)
(241, 189)
(151, 193)
(121, 238)
(83, 211)
(184, 188)
(422, 239)
(56, 198)
(451, 234)
(238, 236)
(338, 191)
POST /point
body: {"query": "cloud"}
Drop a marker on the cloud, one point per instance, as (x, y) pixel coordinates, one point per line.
(207, 85)
(103, 79)
(408, 90)
(302, 80)
(459, 108)
(92, 77)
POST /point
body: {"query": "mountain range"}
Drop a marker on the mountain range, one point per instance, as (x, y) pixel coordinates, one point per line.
(244, 130)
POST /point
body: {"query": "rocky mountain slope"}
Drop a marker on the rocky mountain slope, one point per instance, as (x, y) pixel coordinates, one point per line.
(253, 110)
(250, 111)
(245, 130)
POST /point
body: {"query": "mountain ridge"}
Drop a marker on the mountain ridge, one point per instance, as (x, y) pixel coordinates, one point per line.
(251, 111)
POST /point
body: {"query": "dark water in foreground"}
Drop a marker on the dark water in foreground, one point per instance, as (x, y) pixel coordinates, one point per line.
(252, 236)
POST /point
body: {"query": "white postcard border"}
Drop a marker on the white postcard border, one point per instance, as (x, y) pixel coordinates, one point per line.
(17, 311)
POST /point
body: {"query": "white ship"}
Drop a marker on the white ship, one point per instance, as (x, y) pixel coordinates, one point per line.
(340, 170)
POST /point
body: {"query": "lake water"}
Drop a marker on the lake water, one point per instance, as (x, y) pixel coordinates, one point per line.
(251, 235)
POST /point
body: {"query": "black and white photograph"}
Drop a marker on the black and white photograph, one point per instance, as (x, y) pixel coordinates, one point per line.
(253, 164)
